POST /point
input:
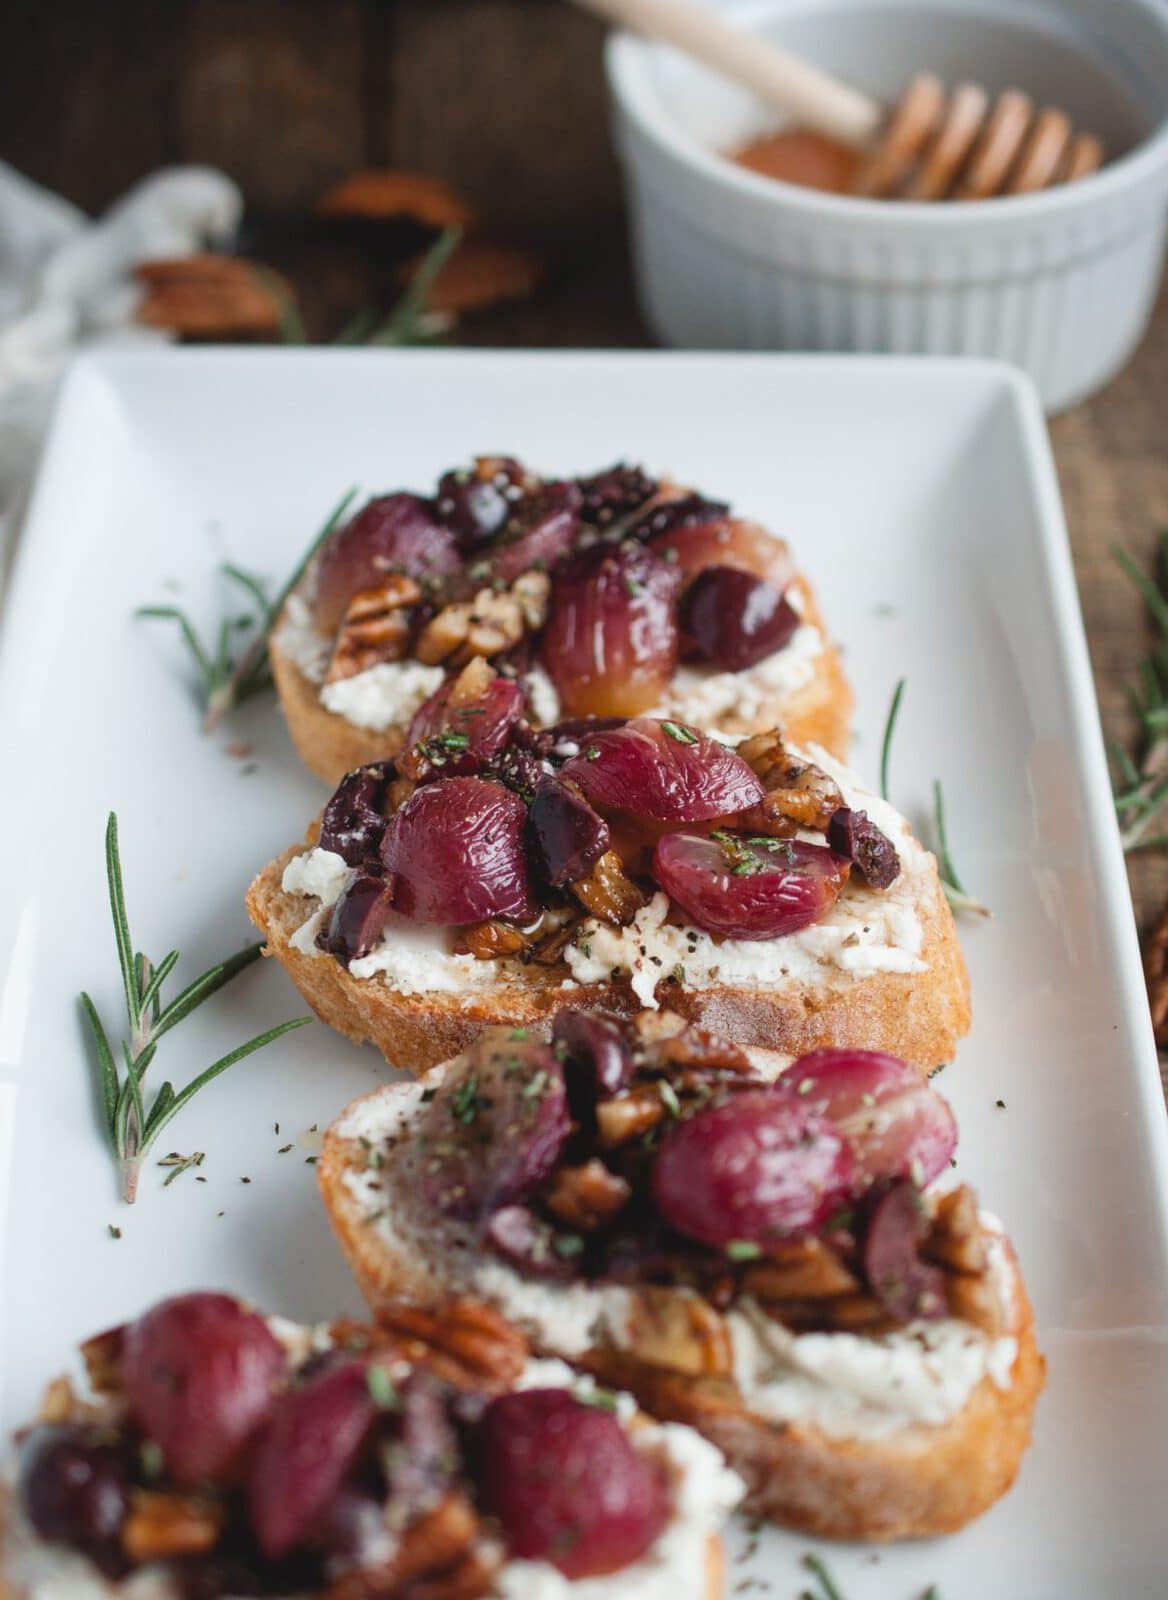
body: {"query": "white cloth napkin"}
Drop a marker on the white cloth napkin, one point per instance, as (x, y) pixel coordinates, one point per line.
(66, 281)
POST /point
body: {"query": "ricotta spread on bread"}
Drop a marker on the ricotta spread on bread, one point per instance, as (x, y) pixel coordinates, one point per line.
(864, 933)
(850, 1386)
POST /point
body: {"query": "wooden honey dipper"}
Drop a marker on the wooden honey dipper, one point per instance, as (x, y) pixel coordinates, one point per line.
(931, 145)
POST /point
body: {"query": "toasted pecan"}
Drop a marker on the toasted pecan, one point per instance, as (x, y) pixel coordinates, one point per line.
(799, 794)
(587, 1196)
(680, 1331)
(375, 627)
(161, 1526)
(608, 892)
(388, 195)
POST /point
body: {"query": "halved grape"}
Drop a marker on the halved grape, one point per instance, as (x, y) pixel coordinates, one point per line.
(358, 919)
(496, 1127)
(593, 1047)
(726, 542)
(199, 1373)
(736, 620)
(304, 1454)
(897, 1126)
(681, 512)
(455, 850)
(475, 502)
(746, 890)
(393, 533)
(758, 1168)
(464, 736)
(75, 1486)
(906, 1286)
(539, 533)
(665, 771)
(565, 836)
(354, 818)
(610, 643)
(567, 1484)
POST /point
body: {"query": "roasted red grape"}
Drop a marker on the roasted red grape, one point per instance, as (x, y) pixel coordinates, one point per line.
(358, 919)
(455, 850)
(527, 1242)
(743, 889)
(304, 1454)
(905, 1285)
(475, 503)
(74, 1486)
(199, 1373)
(496, 1127)
(567, 1485)
(681, 512)
(726, 542)
(394, 533)
(593, 1046)
(539, 533)
(463, 736)
(664, 771)
(354, 818)
(610, 643)
(896, 1125)
(614, 493)
(757, 1168)
(853, 834)
(736, 620)
(565, 836)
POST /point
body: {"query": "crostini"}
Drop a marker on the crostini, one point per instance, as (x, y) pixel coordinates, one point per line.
(608, 595)
(495, 872)
(772, 1251)
(225, 1454)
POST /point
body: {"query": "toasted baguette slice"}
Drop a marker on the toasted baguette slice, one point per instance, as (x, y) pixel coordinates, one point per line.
(908, 1480)
(817, 711)
(428, 1005)
(448, 1549)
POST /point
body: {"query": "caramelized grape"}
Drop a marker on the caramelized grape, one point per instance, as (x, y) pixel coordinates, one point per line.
(906, 1286)
(665, 771)
(199, 1372)
(726, 542)
(896, 1125)
(475, 503)
(304, 1454)
(567, 1485)
(758, 1168)
(539, 534)
(354, 818)
(682, 512)
(455, 850)
(463, 736)
(594, 1047)
(496, 1126)
(736, 620)
(610, 643)
(74, 1486)
(565, 836)
(394, 533)
(359, 917)
(614, 493)
(853, 834)
(746, 890)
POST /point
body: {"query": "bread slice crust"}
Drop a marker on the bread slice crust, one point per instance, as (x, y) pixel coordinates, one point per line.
(926, 1480)
(819, 712)
(919, 1016)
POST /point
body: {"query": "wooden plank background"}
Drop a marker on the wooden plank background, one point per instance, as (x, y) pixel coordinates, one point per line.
(505, 98)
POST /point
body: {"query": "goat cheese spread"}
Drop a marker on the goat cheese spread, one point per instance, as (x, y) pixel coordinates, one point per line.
(388, 694)
(852, 1386)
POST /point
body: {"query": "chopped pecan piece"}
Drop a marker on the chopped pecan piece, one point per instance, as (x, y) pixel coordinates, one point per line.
(398, 792)
(444, 634)
(629, 1115)
(608, 892)
(375, 627)
(491, 941)
(464, 1342)
(585, 1197)
(697, 1050)
(848, 1313)
(955, 1238)
(161, 1526)
(679, 1331)
(102, 1356)
(805, 1269)
(975, 1300)
(496, 623)
(799, 794)
(441, 1556)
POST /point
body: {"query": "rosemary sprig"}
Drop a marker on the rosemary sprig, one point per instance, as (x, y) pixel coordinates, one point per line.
(229, 680)
(132, 1128)
(409, 323)
(828, 1589)
(956, 893)
(1140, 784)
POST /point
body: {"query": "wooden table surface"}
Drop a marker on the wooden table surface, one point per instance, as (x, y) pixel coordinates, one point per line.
(505, 98)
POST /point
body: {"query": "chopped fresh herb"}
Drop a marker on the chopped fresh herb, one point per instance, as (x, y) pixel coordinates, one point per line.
(829, 1590)
(677, 972)
(179, 1164)
(592, 753)
(669, 1097)
(535, 1085)
(520, 1033)
(465, 1100)
(382, 1390)
(632, 587)
(310, 1161)
(601, 1399)
(680, 733)
(150, 1459)
(114, 1232)
(283, 1150)
(743, 1250)
(568, 1245)
(842, 1219)
(1001, 1104)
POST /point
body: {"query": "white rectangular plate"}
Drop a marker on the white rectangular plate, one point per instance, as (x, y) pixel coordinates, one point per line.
(920, 498)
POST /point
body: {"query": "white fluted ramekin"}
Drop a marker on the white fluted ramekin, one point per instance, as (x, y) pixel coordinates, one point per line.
(1060, 283)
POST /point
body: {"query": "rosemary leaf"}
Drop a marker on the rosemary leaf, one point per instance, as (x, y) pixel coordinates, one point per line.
(1154, 599)
(163, 1101)
(827, 1583)
(407, 323)
(889, 729)
(191, 638)
(956, 893)
(204, 987)
(152, 990)
(214, 1071)
(106, 1065)
(117, 899)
